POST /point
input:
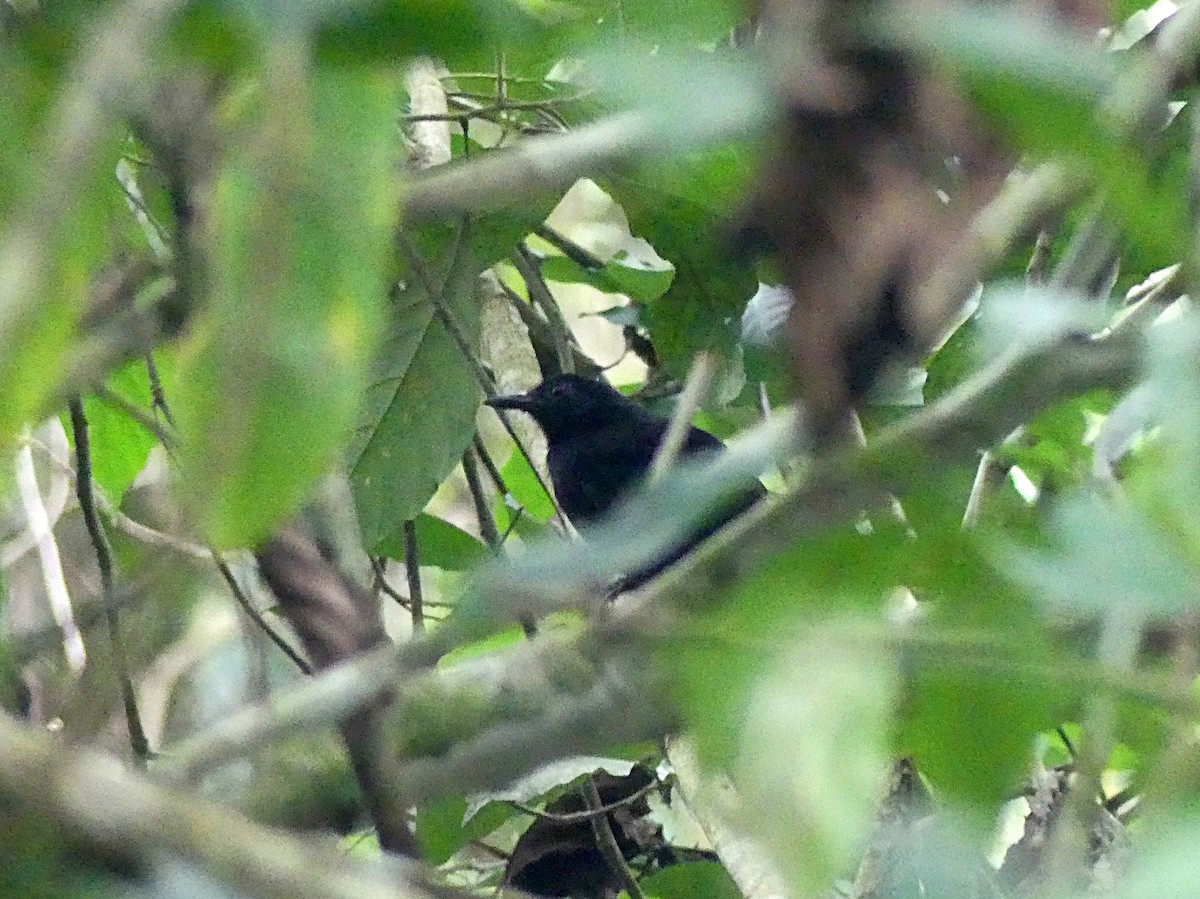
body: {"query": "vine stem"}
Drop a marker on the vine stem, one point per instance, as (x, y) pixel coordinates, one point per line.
(87, 504)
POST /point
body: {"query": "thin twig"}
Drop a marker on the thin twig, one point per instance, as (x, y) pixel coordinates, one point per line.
(695, 389)
(1039, 259)
(497, 479)
(379, 570)
(483, 512)
(985, 481)
(482, 375)
(248, 607)
(581, 256)
(41, 532)
(579, 817)
(123, 404)
(539, 293)
(87, 504)
(486, 459)
(158, 398)
(412, 569)
(379, 567)
(118, 519)
(606, 842)
(541, 335)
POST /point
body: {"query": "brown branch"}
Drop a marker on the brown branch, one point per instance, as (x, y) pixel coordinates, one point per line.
(111, 814)
(606, 841)
(483, 512)
(337, 621)
(412, 570)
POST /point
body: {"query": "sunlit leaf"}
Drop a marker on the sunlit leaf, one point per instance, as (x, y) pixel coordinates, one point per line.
(622, 275)
(813, 744)
(439, 544)
(691, 880)
(119, 444)
(681, 212)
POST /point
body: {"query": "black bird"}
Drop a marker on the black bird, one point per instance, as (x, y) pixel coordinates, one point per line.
(600, 447)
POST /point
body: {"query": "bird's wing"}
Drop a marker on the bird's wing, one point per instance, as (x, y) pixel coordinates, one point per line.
(591, 472)
(700, 442)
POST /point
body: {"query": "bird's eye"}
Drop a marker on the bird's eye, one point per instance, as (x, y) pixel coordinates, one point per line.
(561, 389)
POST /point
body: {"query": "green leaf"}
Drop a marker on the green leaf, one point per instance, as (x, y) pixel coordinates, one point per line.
(440, 544)
(813, 744)
(120, 445)
(691, 880)
(442, 827)
(378, 29)
(1051, 450)
(419, 414)
(681, 210)
(1106, 556)
(301, 219)
(523, 487)
(980, 673)
(622, 275)
(998, 42)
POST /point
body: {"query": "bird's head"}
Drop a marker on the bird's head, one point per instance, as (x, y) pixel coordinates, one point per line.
(567, 405)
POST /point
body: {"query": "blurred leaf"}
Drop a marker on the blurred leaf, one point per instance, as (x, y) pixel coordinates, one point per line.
(691, 880)
(899, 386)
(813, 744)
(379, 29)
(733, 103)
(271, 375)
(682, 21)
(1106, 556)
(979, 675)
(1052, 451)
(1043, 85)
(999, 41)
(504, 639)
(440, 544)
(623, 275)
(51, 246)
(1165, 864)
(970, 729)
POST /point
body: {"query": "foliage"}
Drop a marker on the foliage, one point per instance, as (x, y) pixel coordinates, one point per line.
(218, 230)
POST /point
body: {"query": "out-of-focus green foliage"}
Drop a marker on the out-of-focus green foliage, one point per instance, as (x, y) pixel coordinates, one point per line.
(272, 374)
(324, 326)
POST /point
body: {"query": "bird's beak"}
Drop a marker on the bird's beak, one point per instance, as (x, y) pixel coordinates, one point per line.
(521, 401)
